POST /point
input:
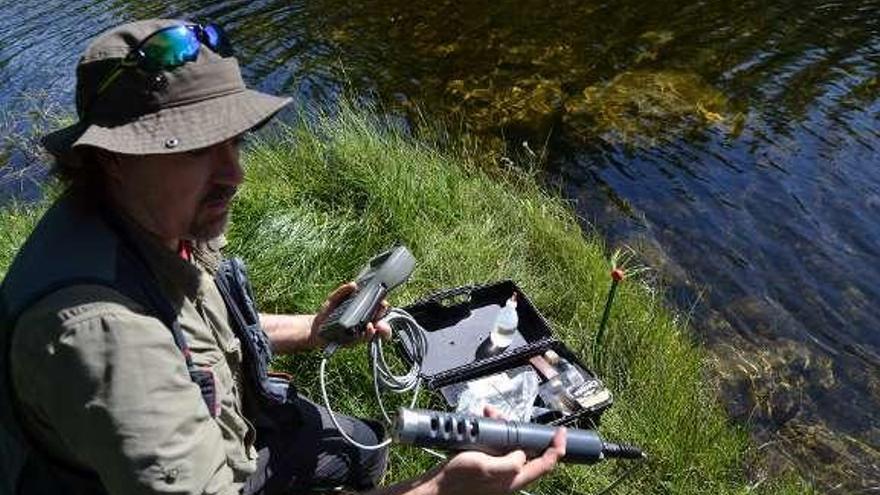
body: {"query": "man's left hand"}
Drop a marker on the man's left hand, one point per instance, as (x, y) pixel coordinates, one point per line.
(375, 327)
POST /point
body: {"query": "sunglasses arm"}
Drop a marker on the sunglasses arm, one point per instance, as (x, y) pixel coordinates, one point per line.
(109, 79)
(113, 76)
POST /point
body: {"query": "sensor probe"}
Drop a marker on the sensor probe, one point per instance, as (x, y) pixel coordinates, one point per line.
(450, 431)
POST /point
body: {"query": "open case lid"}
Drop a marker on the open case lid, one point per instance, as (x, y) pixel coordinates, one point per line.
(458, 323)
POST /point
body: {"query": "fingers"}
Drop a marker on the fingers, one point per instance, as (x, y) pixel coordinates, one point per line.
(337, 296)
(333, 300)
(379, 326)
(542, 465)
(491, 411)
(381, 310)
(341, 292)
(383, 329)
(511, 463)
(559, 441)
(503, 474)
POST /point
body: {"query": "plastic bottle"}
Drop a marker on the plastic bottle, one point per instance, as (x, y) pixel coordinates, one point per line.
(505, 325)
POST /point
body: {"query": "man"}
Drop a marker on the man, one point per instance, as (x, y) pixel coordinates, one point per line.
(128, 366)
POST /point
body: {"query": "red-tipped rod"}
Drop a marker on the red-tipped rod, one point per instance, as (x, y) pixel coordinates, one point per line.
(617, 274)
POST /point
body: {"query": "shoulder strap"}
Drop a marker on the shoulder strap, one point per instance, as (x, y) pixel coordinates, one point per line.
(141, 281)
(233, 284)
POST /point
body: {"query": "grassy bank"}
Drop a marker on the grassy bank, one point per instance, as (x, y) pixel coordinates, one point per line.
(321, 199)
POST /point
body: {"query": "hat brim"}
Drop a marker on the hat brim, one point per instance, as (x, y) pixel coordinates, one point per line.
(60, 141)
(175, 129)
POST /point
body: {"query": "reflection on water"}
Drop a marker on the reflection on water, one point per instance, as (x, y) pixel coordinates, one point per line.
(736, 143)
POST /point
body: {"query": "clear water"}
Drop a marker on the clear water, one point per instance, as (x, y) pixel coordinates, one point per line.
(734, 144)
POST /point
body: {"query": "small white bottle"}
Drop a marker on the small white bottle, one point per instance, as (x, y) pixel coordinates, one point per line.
(505, 325)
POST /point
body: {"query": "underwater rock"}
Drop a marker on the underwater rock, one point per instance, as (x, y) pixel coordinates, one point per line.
(651, 43)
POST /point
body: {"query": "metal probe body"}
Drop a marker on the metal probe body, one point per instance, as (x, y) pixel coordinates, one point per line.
(451, 431)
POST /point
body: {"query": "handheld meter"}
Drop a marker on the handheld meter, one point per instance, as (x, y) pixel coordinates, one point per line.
(384, 272)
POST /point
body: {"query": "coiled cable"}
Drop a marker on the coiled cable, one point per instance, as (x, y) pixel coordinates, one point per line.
(412, 335)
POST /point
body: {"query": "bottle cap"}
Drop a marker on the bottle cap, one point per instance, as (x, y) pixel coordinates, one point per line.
(512, 301)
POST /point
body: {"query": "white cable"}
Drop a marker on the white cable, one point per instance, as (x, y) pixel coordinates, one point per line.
(333, 415)
(413, 335)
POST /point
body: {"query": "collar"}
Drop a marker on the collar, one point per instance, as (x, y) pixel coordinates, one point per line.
(178, 277)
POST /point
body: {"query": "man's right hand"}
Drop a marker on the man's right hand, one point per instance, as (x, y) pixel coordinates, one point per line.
(483, 474)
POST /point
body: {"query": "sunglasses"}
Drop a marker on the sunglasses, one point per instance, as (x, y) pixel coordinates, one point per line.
(169, 48)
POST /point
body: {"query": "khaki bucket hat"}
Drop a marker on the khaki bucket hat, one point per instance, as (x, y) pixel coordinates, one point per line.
(193, 106)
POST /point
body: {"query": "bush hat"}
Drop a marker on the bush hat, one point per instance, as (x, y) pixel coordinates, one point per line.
(195, 105)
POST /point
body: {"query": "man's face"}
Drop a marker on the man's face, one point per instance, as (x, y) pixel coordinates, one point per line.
(179, 195)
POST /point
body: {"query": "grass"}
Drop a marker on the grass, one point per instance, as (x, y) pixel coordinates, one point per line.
(30, 115)
(323, 197)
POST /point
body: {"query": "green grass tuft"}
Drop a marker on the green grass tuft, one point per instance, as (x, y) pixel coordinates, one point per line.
(323, 197)
(17, 220)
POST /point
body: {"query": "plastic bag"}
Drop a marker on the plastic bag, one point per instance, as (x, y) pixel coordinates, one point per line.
(513, 397)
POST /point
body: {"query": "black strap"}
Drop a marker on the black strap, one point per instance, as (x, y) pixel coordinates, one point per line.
(234, 287)
(147, 287)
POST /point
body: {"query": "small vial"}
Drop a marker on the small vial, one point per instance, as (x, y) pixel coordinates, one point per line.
(505, 325)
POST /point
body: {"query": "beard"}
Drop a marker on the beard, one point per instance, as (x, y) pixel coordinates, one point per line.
(207, 229)
(209, 225)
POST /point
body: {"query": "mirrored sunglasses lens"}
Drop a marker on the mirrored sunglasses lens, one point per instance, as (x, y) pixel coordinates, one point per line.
(170, 48)
(216, 40)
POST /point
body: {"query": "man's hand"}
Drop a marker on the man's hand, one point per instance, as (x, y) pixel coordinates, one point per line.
(293, 333)
(335, 299)
(481, 474)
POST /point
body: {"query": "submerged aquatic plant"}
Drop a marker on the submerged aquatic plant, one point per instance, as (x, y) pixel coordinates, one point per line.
(28, 117)
(645, 107)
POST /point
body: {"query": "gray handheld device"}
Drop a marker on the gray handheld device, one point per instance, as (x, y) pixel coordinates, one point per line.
(383, 273)
(451, 431)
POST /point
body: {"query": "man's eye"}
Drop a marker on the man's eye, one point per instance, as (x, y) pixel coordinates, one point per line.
(199, 152)
(235, 142)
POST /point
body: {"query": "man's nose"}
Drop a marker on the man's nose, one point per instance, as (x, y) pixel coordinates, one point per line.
(229, 170)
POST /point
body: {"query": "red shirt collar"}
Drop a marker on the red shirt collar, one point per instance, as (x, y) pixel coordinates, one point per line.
(184, 249)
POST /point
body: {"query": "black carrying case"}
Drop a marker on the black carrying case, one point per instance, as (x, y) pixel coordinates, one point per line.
(458, 323)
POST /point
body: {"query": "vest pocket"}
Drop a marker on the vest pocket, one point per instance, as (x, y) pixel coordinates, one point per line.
(232, 351)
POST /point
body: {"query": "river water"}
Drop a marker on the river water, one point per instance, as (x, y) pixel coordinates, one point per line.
(735, 145)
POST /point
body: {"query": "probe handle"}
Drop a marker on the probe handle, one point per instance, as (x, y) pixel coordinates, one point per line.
(452, 431)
